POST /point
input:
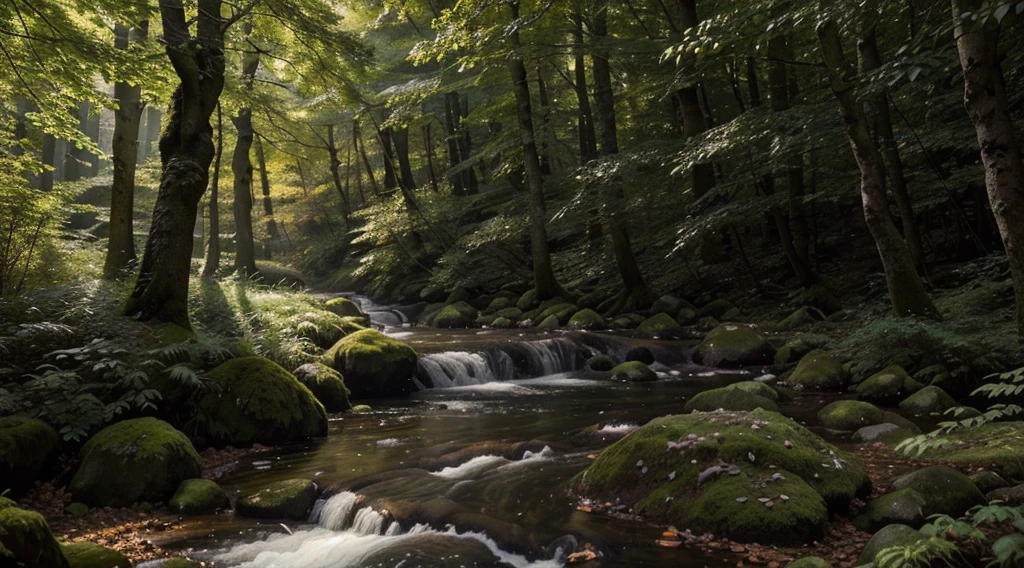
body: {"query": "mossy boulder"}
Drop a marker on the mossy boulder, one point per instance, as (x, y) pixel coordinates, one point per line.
(710, 471)
(27, 447)
(888, 387)
(809, 562)
(344, 307)
(587, 319)
(802, 317)
(936, 490)
(988, 481)
(459, 315)
(502, 323)
(796, 349)
(721, 310)
(374, 365)
(686, 316)
(254, 400)
(634, 372)
(550, 322)
(729, 398)
(886, 432)
(730, 345)
(26, 540)
(288, 499)
(928, 400)
(998, 447)
(562, 312)
(601, 363)
(326, 384)
(498, 304)
(510, 313)
(889, 536)
(849, 415)
(760, 389)
(657, 325)
(527, 301)
(89, 555)
(485, 320)
(820, 371)
(144, 459)
(198, 497)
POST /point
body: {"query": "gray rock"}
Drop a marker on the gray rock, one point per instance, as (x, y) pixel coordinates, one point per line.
(888, 537)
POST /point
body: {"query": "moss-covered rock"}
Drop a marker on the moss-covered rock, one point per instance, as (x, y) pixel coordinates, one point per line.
(601, 363)
(730, 345)
(528, 301)
(326, 384)
(709, 472)
(686, 316)
(459, 315)
(794, 350)
(502, 323)
(374, 365)
(144, 459)
(26, 540)
(657, 325)
(288, 499)
(918, 495)
(760, 389)
(587, 319)
(253, 399)
(988, 481)
(886, 432)
(888, 537)
(561, 311)
(485, 320)
(459, 294)
(888, 387)
(721, 310)
(820, 371)
(344, 307)
(550, 322)
(809, 562)
(800, 318)
(849, 415)
(77, 509)
(198, 497)
(998, 447)
(324, 328)
(669, 305)
(27, 447)
(510, 313)
(634, 372)
(928, 400)
(498, 304)
(729, 398)
(89, 555)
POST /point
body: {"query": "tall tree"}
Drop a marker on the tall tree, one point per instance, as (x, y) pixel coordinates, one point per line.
(212, 264)
(702, 175)
(268, 204)
(241, 168)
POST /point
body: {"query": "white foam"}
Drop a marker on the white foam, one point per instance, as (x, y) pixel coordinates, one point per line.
(618, 428)
(388, 443)
(473, 467)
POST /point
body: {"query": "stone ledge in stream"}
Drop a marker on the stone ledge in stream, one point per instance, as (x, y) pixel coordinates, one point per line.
(747, 476)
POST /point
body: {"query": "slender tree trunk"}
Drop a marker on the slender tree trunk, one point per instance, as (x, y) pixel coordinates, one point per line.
(76, 163)
(49, 159)
(92, 130)
(121, 244)
(241, 168)
(154, 119)
(870, 60)
(585, 116)
(332, 149)
(545, 123)
(986, 101)
(302, 174)
(388, 153)
(466, 146)
(702, 176)
(906, 291)
(401, 140)
(428, 140)
(268, 204)
(366, 161)
(451, 105)
(186, 150)
(212, 264)
(545, 283)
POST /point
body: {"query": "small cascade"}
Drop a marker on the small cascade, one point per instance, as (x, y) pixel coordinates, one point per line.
(381, 316)
(368, 522)
(505, 362)
(336, 513)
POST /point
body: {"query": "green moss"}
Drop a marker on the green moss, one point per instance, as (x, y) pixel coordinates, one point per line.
(527, 301)
(928, 400)
(729, 398)
(374, 365)
(457, 315)
(89, 555)
(809, 562)
(587, 319)
(730, 437)
(802, 317)
(253, 399)
(198, 497)
(171, 334)
(760, 389)
(998, 447)
(132, 461)
(889, 537)
(322, 328)
(731, 345)
(550, 322)
(656, 325)
(326, 384)
(849, 415)
(359, 408)
(888, 387)
(502, 323)
(27, 446)
(946, 490)
(26, 538)
(600, 363)
(634, 372)
(77, 509)
(510, 313)
(562, 311)
(820, 371)
(796, 349)
(288, 499)
(498, 304)
(343, 307)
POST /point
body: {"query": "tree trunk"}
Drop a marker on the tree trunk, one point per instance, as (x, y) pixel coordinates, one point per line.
(702, 176)
(870, 60)
(121, 244)
(428, 141)
(545, 284)
(92, 130)
(76, 162)
(212, 264)
(466, 147)
(987, 104)
(49, 159)
(451, 105)
(584, 115)
(241, 168)
(153, 122)
(388, 152)
(366, 161)
(401, 139)
(906, 291)
(186, 150)
(268, 205)
(545, 123)
(332, 149)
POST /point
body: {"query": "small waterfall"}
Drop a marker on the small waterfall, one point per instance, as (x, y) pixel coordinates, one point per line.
(384, 316)
(368, 522)
(502, 363)
(552, 356)
(336, 513)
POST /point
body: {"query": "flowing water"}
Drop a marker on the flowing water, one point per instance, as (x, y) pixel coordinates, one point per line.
(471, 471)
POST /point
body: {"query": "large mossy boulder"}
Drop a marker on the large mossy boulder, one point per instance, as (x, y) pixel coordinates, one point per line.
(730, 398)
(587, 319)
(288, 499)
(459, 315)
(374, 365)
(809, 562)
(344, 307)
(802, 317)
(850, 415)
(326, 384)
(138, 460)
(198, 497)
(657, 325)
(27, 447)
(254, 400)
(561, 311)
(730, 345)
(889, 536)
(89, 555)
(747, 476)
(795, 349)
(936, 490)
(633, 372)
(721, 310)
(928, 400)
(888, 387)
(820, 371)
(998, 447)
(26, 540)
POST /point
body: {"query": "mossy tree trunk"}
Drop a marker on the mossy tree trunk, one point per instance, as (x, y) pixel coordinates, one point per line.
(186, 150)
(545, 283)
(121, 244)
(987, 104)
(241, 168)
(906, 291)
(212, 264)
(268, 204)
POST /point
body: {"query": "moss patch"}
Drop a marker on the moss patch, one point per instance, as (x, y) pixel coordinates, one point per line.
(600, 363)
(198, 497)
(288, 499)
(730, 345)
(457, 315)
(326, 384)
(344, 307)
(27, 446)
(657, 325)
(997, 447)
(634, 372)
(729, 398)
(562, 312)
(820, 371)
(374, 365)
(587, 319)
(928, 400)
(89, 555)
(850, 415)
(888, 387)
(25, 539)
